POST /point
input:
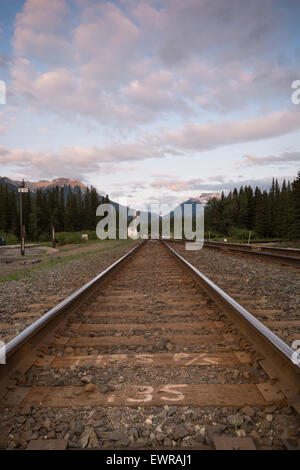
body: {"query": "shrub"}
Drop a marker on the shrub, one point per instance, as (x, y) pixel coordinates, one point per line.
(65, 238)
(44, 237)
(11, 239)
(212, 235)
(240, 233)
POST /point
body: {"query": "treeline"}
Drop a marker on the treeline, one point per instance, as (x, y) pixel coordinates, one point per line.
(270, 214)
(68, 211)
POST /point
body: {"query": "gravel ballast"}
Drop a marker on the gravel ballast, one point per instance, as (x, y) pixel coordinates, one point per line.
(259, 286)
(24, 301)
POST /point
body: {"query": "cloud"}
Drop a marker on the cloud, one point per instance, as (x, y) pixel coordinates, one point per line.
(189, 141)
(157, 79)
(135, 62)
(76, 161)
(200, 137)
(283, 158)
(176, 185)
(156, 92)
(195, 184)
(41, 31)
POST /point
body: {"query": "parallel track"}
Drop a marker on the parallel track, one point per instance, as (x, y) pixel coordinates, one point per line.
(274, 250)
(285, 256)
(150, 331)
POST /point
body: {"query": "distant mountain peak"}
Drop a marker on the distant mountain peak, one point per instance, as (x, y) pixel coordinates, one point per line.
(203, 198)
(60, 182)
(5, 179)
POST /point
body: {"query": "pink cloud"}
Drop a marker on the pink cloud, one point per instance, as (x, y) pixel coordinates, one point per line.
(147, 61)
(40, 30)
(284, 158)
(199, 137)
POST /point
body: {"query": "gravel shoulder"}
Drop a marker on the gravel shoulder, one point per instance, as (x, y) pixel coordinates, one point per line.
(14, 266)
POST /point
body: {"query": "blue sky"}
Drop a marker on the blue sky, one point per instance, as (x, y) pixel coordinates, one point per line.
(151, 100)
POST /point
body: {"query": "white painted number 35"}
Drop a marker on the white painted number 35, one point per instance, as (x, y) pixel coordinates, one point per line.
(145, 394)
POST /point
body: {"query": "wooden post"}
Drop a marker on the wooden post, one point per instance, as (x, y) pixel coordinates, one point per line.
(249, 237)
(22, 189)
(53, 235)
(23, 240)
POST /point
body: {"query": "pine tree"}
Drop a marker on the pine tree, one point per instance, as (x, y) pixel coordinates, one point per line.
(2, 208)
(294, 231)
(243, 213)
(283, 222)
(262, 213)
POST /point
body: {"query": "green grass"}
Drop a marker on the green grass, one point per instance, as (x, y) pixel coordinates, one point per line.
(84, 244)
(74, 242)
(31, 272)
(62, 238)
(66, 238)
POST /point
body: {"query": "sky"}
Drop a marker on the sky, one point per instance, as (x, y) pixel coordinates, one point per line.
(150, 100)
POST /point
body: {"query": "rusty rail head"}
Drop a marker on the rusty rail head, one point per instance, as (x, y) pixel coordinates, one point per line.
(14, 344)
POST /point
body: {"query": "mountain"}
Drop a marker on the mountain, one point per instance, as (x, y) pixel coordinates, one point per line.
(11, 185)
(60, 182)
(202, 199)
(44, 185)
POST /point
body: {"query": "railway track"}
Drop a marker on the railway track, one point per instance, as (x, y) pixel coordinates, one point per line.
(149, 354)
(285, 256)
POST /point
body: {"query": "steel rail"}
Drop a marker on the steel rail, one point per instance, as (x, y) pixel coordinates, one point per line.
(271, 337)
(18, 341)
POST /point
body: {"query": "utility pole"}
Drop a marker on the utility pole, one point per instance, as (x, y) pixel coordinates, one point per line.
(22, 189)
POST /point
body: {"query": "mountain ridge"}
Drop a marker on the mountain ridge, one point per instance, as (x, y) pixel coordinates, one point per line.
(44, 184)
(203, 198)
